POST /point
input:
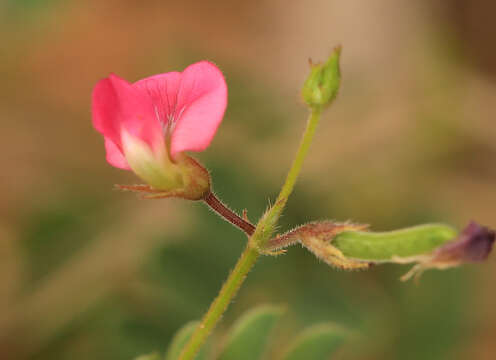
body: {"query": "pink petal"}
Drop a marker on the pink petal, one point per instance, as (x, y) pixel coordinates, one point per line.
(117, 105)
(201, 102)
(162, 89)
(114, 155)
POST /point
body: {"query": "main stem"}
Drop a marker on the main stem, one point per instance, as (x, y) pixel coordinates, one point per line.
(219, 306)
(251, 253)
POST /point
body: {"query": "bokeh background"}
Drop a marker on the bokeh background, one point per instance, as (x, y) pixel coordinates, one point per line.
(90, 273)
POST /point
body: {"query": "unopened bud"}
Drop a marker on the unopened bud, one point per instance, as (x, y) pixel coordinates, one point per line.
(321, 86)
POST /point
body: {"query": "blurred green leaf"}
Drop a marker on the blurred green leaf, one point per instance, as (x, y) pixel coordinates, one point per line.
(56, 230)
(152, 356)
(180, 339)
(317, 342)
(30, 4)
(249, 335)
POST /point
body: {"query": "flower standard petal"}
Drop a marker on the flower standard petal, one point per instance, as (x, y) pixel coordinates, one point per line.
(162, 89)
(200, 107)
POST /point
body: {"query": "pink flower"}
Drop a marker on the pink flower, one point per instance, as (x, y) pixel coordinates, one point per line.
(148, 125)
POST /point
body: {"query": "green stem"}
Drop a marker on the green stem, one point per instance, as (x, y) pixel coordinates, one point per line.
(221, 302)
(262, 234)
(306, 140)
(267, 224)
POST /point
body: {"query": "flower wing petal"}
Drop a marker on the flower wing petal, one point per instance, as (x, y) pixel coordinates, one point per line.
(201, 103)
(118, 106)
(114, 155)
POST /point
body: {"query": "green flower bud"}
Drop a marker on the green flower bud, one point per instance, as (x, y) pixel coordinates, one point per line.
(321, 86)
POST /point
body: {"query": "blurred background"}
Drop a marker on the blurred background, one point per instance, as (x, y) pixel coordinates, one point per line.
(90, 273)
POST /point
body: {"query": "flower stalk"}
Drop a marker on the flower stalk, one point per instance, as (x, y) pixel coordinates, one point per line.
(227, 214)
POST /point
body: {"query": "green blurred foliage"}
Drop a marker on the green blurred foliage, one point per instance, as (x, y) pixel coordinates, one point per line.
(316, 342)
(250, 337)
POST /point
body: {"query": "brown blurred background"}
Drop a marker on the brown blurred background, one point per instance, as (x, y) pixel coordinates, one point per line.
(90, 273)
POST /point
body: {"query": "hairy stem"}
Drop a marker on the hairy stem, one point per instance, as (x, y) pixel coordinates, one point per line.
(223, 211)
(306, 140)
(267, 224)
(258, 238)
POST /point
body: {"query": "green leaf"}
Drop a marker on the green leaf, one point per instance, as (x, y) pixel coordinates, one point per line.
(179, 341)
(317, 342)
(249, 335)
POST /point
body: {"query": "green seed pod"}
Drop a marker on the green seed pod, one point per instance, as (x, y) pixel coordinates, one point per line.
(349, 247)
(388, 246)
